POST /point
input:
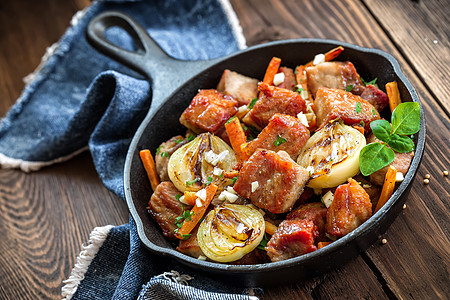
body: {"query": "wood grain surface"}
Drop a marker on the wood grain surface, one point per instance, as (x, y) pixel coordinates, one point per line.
(45, 216)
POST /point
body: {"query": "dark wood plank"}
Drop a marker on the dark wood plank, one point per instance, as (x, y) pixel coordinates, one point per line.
(349, 21)
(421, 30)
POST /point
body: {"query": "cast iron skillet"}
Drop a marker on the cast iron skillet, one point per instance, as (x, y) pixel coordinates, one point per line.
(175, 83)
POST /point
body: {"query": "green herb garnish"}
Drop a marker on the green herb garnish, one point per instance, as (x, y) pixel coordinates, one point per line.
(188, 183)
(372, 82)
(179, 141)
(230, 119)
(296, 70)
(190, 137)
(178, 197)
(405, 121)
(208, 182)
(234, 179)
(299, 90)
(363, 124)
(358, 107)
(252, 103)
(158, 150)
(374, 113)
(185, 236)
(349, 88)
(164, 154)
(279, 141)
(263, 244)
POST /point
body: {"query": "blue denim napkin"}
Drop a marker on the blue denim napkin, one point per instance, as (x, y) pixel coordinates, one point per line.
(80, 99)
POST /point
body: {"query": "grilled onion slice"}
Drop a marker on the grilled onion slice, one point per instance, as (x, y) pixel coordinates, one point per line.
(230, 231)
(191, 165)
(332, 155)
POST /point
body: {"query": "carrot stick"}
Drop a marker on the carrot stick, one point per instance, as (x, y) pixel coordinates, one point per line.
(272, 69)
(393, 95)
(230, 174)
(189, 197)
(150, 167)
(330, 55)
(197, 213)
(388, 187)
(322, 244)
(237, 138)
(270, 228)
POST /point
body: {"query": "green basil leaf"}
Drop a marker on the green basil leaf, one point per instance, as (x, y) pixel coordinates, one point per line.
(374, 157)
(406, 118)
(381, 129)
(401, 143)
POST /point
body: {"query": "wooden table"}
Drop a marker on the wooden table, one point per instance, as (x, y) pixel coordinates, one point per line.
(45, 216)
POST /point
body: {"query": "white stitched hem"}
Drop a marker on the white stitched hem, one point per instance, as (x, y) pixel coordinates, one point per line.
(234, 22)
(84, 259)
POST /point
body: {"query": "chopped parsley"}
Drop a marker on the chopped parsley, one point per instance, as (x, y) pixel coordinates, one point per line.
(263, 244)
(244, 127)
(279, 141)
(349, 88)
(374, 111)
(296, 70)
(179, 141)
(190, 137)
(234, 179)
(164, 154)
(252, 103)
(358, 107)
(208, 182)
(178, 197)
(185, 236)
(158, 150)
(188, 183)
(299, 90)
(230, 119)
(221, 175)
(372, 82)
(363, 124)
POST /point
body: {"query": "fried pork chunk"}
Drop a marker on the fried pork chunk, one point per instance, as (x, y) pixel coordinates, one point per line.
(331, 104)
(208, 111)
(271, 101)
(165, 208)
(240, 87)
(292, 238)
(315, 212)
(350, 208)
(376, 97)
(336, 75)
(289, 79)
(163, 154)
(272, 181)
(190, 245)
(284, 132)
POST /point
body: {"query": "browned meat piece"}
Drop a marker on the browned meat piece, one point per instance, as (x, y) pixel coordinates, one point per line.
(350, 208)
(190, 246)
(376, 97)
(276, 180)
(240, 87)
(281, 127)
(292, 238)
(336, 75)
(163, 154)
(372, 190)
(271, 101)
(165, 208)
(331, 104)
(289, 79)
(208, 111)
(315, 212)
(401, 162)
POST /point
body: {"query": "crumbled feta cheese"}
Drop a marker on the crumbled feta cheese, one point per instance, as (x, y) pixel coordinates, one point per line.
(318, 59)
(201, 194)
(181, 199)
(304, 94)
(231, 190)
(278, 78)
(201, 257)
(242, 108)
(308, 107)
(255, 185)
(310, 170)
(327, 199)
(302, 117)
(198, 202)
(366, 186)
(399, 177)
(222, 155)
(217, 171)
(226, 195)
(211, 157)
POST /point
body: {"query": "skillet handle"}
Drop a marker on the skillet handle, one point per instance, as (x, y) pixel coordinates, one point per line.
(164, 72)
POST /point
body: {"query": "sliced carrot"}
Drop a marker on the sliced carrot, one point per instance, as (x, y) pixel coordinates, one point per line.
(270, 228)
(197, 213)
(190, 197)
(150, 167)
(237, 138)
(393, 95)
(272, 69)
(322, 244)
(388, 187)
(330, 55)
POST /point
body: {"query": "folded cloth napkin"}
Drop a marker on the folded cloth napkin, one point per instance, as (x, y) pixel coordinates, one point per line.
(79, 98)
